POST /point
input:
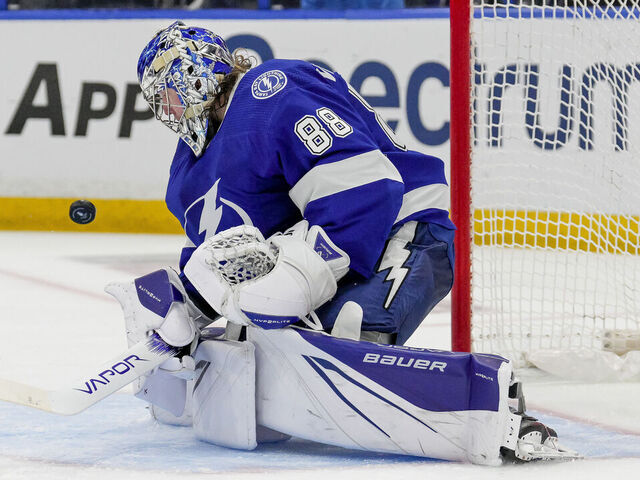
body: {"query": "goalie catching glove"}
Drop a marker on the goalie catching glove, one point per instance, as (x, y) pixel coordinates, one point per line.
(271, 283)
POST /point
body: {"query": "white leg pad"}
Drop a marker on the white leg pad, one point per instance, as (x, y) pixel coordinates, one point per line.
(306, 392)
(223, 402)
(347, 393)
(167, 392)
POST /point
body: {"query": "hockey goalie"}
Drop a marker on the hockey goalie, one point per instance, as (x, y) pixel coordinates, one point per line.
(324, 242)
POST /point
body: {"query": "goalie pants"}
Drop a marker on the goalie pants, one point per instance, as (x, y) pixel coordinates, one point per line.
(414, 272)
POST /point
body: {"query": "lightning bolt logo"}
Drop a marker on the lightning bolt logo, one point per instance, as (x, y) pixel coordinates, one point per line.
(211, 214)
(393, 259)
(266, 84)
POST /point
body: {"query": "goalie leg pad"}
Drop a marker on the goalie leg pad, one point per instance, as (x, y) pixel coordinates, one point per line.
(223, 402)
(169, 398)
(166, 392)
(169, 390)
(354, 394)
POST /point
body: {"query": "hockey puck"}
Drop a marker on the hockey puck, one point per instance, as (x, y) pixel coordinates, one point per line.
(82, 212)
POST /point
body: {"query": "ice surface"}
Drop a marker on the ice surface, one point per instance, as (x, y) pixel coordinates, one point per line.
(55, 322)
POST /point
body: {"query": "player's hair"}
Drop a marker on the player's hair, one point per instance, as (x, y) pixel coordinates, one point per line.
(242, 62)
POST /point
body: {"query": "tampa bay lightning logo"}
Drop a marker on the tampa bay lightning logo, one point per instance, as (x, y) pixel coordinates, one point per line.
(268, 84)
(205, 214)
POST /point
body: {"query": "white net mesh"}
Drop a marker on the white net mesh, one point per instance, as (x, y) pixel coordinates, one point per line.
(555, 177)
(240, 254)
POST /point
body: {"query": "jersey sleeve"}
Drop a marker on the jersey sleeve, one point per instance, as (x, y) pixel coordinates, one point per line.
(339, 178)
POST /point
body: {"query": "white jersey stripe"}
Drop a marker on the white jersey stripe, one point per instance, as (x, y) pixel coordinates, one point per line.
(422, 198)
(331, 178)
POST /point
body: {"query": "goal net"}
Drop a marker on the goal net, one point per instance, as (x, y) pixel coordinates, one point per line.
(554, 177)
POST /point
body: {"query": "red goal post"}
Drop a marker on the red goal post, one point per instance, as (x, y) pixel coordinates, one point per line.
(460, 138)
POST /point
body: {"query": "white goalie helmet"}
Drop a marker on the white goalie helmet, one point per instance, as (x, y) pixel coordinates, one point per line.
(179, 72)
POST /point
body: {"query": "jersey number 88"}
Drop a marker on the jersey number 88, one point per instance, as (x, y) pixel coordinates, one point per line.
(313, 134)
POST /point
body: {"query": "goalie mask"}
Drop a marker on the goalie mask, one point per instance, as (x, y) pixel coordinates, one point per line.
(179, 73)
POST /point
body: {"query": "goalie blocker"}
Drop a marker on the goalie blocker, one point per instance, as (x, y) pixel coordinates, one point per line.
(353, 394)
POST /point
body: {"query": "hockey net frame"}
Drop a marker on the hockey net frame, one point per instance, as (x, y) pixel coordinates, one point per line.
(463, 84)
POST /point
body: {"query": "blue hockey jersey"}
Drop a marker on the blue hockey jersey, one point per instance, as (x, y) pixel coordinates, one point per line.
(298, 142)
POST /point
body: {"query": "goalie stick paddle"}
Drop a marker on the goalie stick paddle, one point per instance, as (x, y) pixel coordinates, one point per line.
(141, 358)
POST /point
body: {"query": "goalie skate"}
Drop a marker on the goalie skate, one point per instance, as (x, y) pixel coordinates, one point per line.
(536, 441)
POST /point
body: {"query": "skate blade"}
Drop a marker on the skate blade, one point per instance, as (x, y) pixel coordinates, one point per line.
(550, 451)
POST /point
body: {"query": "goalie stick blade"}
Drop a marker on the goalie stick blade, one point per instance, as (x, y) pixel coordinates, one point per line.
(22, 394)
(100, 383)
